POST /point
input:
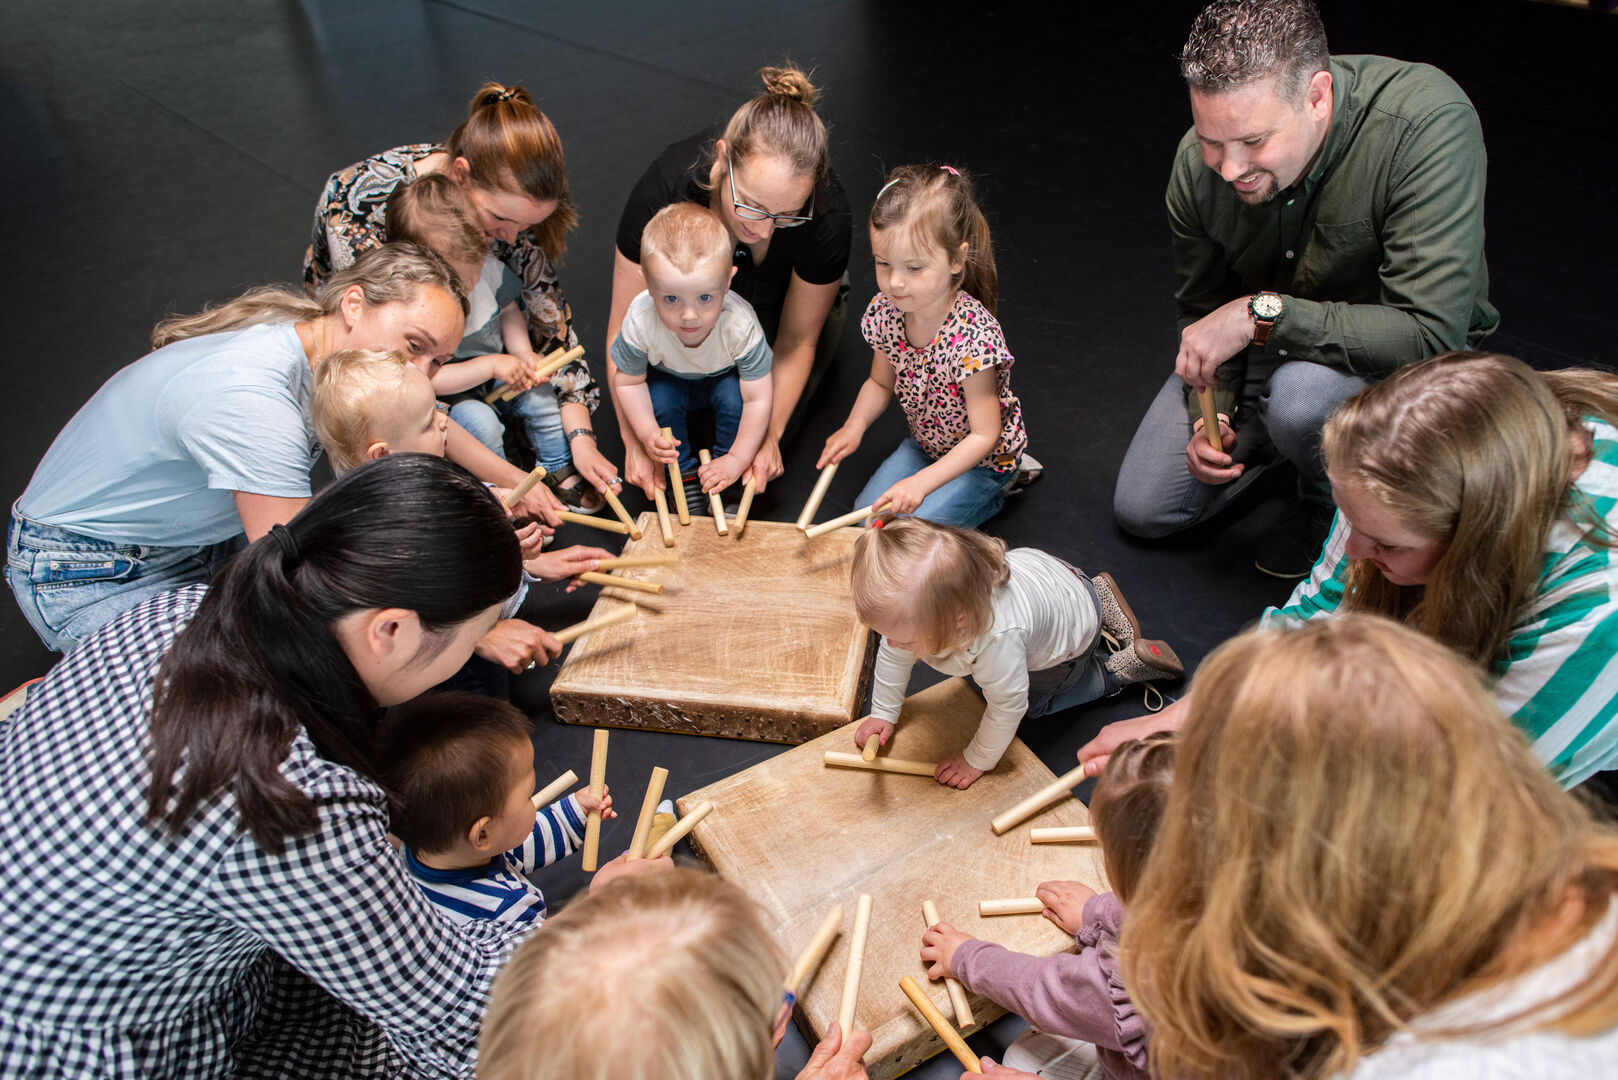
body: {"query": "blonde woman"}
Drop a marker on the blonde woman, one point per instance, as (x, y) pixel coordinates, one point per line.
(1362, 871)
(1477, 501)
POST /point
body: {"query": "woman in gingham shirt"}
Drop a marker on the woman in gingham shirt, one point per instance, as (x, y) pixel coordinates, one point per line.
(204, 887)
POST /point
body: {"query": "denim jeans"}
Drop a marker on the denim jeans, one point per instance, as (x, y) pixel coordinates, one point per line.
(968, 500)
(541, 418)
(673, 397)
(70, 585)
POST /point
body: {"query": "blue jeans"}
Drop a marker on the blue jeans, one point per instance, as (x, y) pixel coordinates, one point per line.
(541, 418)
(673, 397)
(968, 500)
(70, 585)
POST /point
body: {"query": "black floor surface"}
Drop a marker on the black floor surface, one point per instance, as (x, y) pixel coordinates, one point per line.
(159, 156)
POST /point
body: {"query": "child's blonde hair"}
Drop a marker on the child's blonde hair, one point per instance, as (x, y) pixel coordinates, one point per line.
(942, 576)
(1355, 836)
(353, 389)
(438, 214)
(1127, 807)
(936, 207)
(665, 976)
(686, 236)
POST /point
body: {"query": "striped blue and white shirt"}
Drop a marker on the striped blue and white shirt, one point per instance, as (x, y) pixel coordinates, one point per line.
(500, 889)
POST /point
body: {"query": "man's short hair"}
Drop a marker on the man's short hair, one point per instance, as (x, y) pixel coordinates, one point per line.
(1237, 42)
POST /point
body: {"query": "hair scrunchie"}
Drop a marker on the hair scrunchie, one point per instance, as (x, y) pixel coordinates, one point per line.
(290, 555)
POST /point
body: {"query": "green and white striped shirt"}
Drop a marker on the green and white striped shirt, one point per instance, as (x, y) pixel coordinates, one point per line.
(1558, 676)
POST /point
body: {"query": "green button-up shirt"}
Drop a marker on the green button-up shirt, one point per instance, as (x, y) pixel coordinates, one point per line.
(1377, 252)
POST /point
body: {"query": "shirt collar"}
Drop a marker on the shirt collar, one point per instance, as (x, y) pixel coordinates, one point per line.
(1337, 133)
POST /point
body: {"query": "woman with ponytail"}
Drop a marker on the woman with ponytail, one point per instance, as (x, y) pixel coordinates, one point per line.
(240, 911)
(767, 174)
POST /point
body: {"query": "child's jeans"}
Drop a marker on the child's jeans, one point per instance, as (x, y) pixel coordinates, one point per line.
(968, 500)
(673, 397)
(541, 417)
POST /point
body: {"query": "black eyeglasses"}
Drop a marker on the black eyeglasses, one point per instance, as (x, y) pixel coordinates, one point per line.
(753, 213)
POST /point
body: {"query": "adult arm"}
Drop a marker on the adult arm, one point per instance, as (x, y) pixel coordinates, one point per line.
(627, 283)
(803, 315)
(837, 1058)
(260, 512)
(1094, 754)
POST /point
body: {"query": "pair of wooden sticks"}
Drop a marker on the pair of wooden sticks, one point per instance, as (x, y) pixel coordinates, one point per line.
(853, 517)
(543, 369)
(641, 845)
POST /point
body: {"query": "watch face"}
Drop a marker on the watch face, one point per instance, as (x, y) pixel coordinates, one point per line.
(1266, 305)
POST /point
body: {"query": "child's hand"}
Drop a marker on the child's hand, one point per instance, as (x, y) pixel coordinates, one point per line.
(954, 772)
(588, 802)
(990, 1069)
(903, 497)
(531, 538)
(512, 371)
(841, 443)
(872, 726)
(1064, 903)
(720, 473)
(938, 945)
(662, 449)
(623, 866)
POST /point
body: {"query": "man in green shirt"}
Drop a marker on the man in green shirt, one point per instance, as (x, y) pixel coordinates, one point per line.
(1327, 218)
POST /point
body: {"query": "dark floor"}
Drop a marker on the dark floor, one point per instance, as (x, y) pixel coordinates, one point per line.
(159, 156)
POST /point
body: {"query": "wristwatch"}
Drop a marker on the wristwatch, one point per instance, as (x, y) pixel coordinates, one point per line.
(1265, 307)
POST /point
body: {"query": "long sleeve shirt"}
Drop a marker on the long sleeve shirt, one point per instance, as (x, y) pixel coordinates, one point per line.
(500, 889)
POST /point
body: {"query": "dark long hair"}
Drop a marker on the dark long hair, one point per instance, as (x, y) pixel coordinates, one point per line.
(260, 659)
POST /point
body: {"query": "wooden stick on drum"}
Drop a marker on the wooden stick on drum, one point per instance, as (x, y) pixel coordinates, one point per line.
(598, 783)
(578, 630)
(746, 505)
(881, 764)
(548, 794)
(1077, 834)
(622, 514)
(1062, 785)
(1210, 418)
(612, 580)
(957, 992)
(930, 1013)
(854, 517)
(819, 492)
(525, 486)
(619, 562)
(715, 506)
(856, 961)
(1018, 905)
(677, 484)
(648, 810)
(664, 525)
(666, 842)
(869, 753)
(830, 927)
(595, 523)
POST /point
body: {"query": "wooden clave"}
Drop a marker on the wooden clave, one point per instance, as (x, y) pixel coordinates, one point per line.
(1210, 417)
(830, 927)
(871, 744)
(621, 582)
(746, 504)
(598, 782)
(716, 507)
(883, 764)
(930, 1013)
(603, 524)
(620, 562)
(822, 482)
(1017, 905)
(676, 485)
(648, 810)
(525, 486)
(664, 525)
(853, 517)
(1062, 785)
(621, 514)
(856, 961)
(501, 389)
(666, 842)
(952, 985)
(613, 618)
(551, 791)
(1075, 835)
(556, 361)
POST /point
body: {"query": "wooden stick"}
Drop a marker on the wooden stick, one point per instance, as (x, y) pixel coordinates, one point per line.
(1074, 835)
(821, 484)
(676, 834)
(1210, 418)
(1062, 785)
(598, 782)
(856, 961)
(715, 506)
(957, 992)
(578, 630)
(1019, 905)
(622, 514)
(619, 562)
(556, 361)
(504, 392)
(594, 522)
(853, 517)
(881, 764)
(525, 486)
(869, 753)
(664, 525)
(830, 927)
(746, 505)
(930, 1013)
(648, 810)
(676, 484)
(548, 794)
(621, 582)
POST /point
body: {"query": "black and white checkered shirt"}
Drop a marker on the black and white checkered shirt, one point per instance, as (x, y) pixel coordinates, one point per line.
(126, 952)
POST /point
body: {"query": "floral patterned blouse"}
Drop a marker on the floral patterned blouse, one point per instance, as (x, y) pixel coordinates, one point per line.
(927, 381)
(349, 220)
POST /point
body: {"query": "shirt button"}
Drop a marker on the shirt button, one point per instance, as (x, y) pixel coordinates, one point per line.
(1283, 352)
(1291, 201)
(1289, 254)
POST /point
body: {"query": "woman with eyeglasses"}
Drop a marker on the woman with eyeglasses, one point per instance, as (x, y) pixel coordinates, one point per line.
(767, 176)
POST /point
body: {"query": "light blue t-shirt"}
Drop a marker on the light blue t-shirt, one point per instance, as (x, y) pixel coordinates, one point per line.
(154, 456)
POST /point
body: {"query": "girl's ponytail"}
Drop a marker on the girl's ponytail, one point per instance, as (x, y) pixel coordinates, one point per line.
(510, 145)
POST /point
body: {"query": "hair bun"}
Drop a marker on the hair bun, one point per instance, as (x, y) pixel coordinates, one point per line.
(789, 82)
(492, 93)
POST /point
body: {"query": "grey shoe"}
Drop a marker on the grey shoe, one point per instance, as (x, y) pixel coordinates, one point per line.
(1145, 661)
(1116, 617)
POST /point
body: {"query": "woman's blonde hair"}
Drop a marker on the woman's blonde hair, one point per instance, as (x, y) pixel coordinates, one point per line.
(1471, 449)
(390, 274)
(1355, 836)
(941, 576)
(666, 976)
(686, 235)
(354, 389)
(1127, 807)
(781, 122)
(437, 213)
(936, 207)
(511, 146)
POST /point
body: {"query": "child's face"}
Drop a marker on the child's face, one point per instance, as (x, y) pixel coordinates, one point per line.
(515, 820)
(688, 303)
(418, 425)
(903, 632)
(918, 278)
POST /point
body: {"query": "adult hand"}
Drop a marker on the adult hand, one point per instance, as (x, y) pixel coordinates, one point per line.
(624, 866)
(594, 467)
(1064, 903)
(1206, 465)
(516, 645)
(566, 562)
(1093, 755)
(767, 462)
(1211, 340)
(938, 945)
(882, 729)
(839, 444)
(837, 1058)
(955, 772)
(639, 470)
(538, 505)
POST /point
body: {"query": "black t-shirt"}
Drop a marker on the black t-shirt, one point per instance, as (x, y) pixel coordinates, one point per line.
(818, 251)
